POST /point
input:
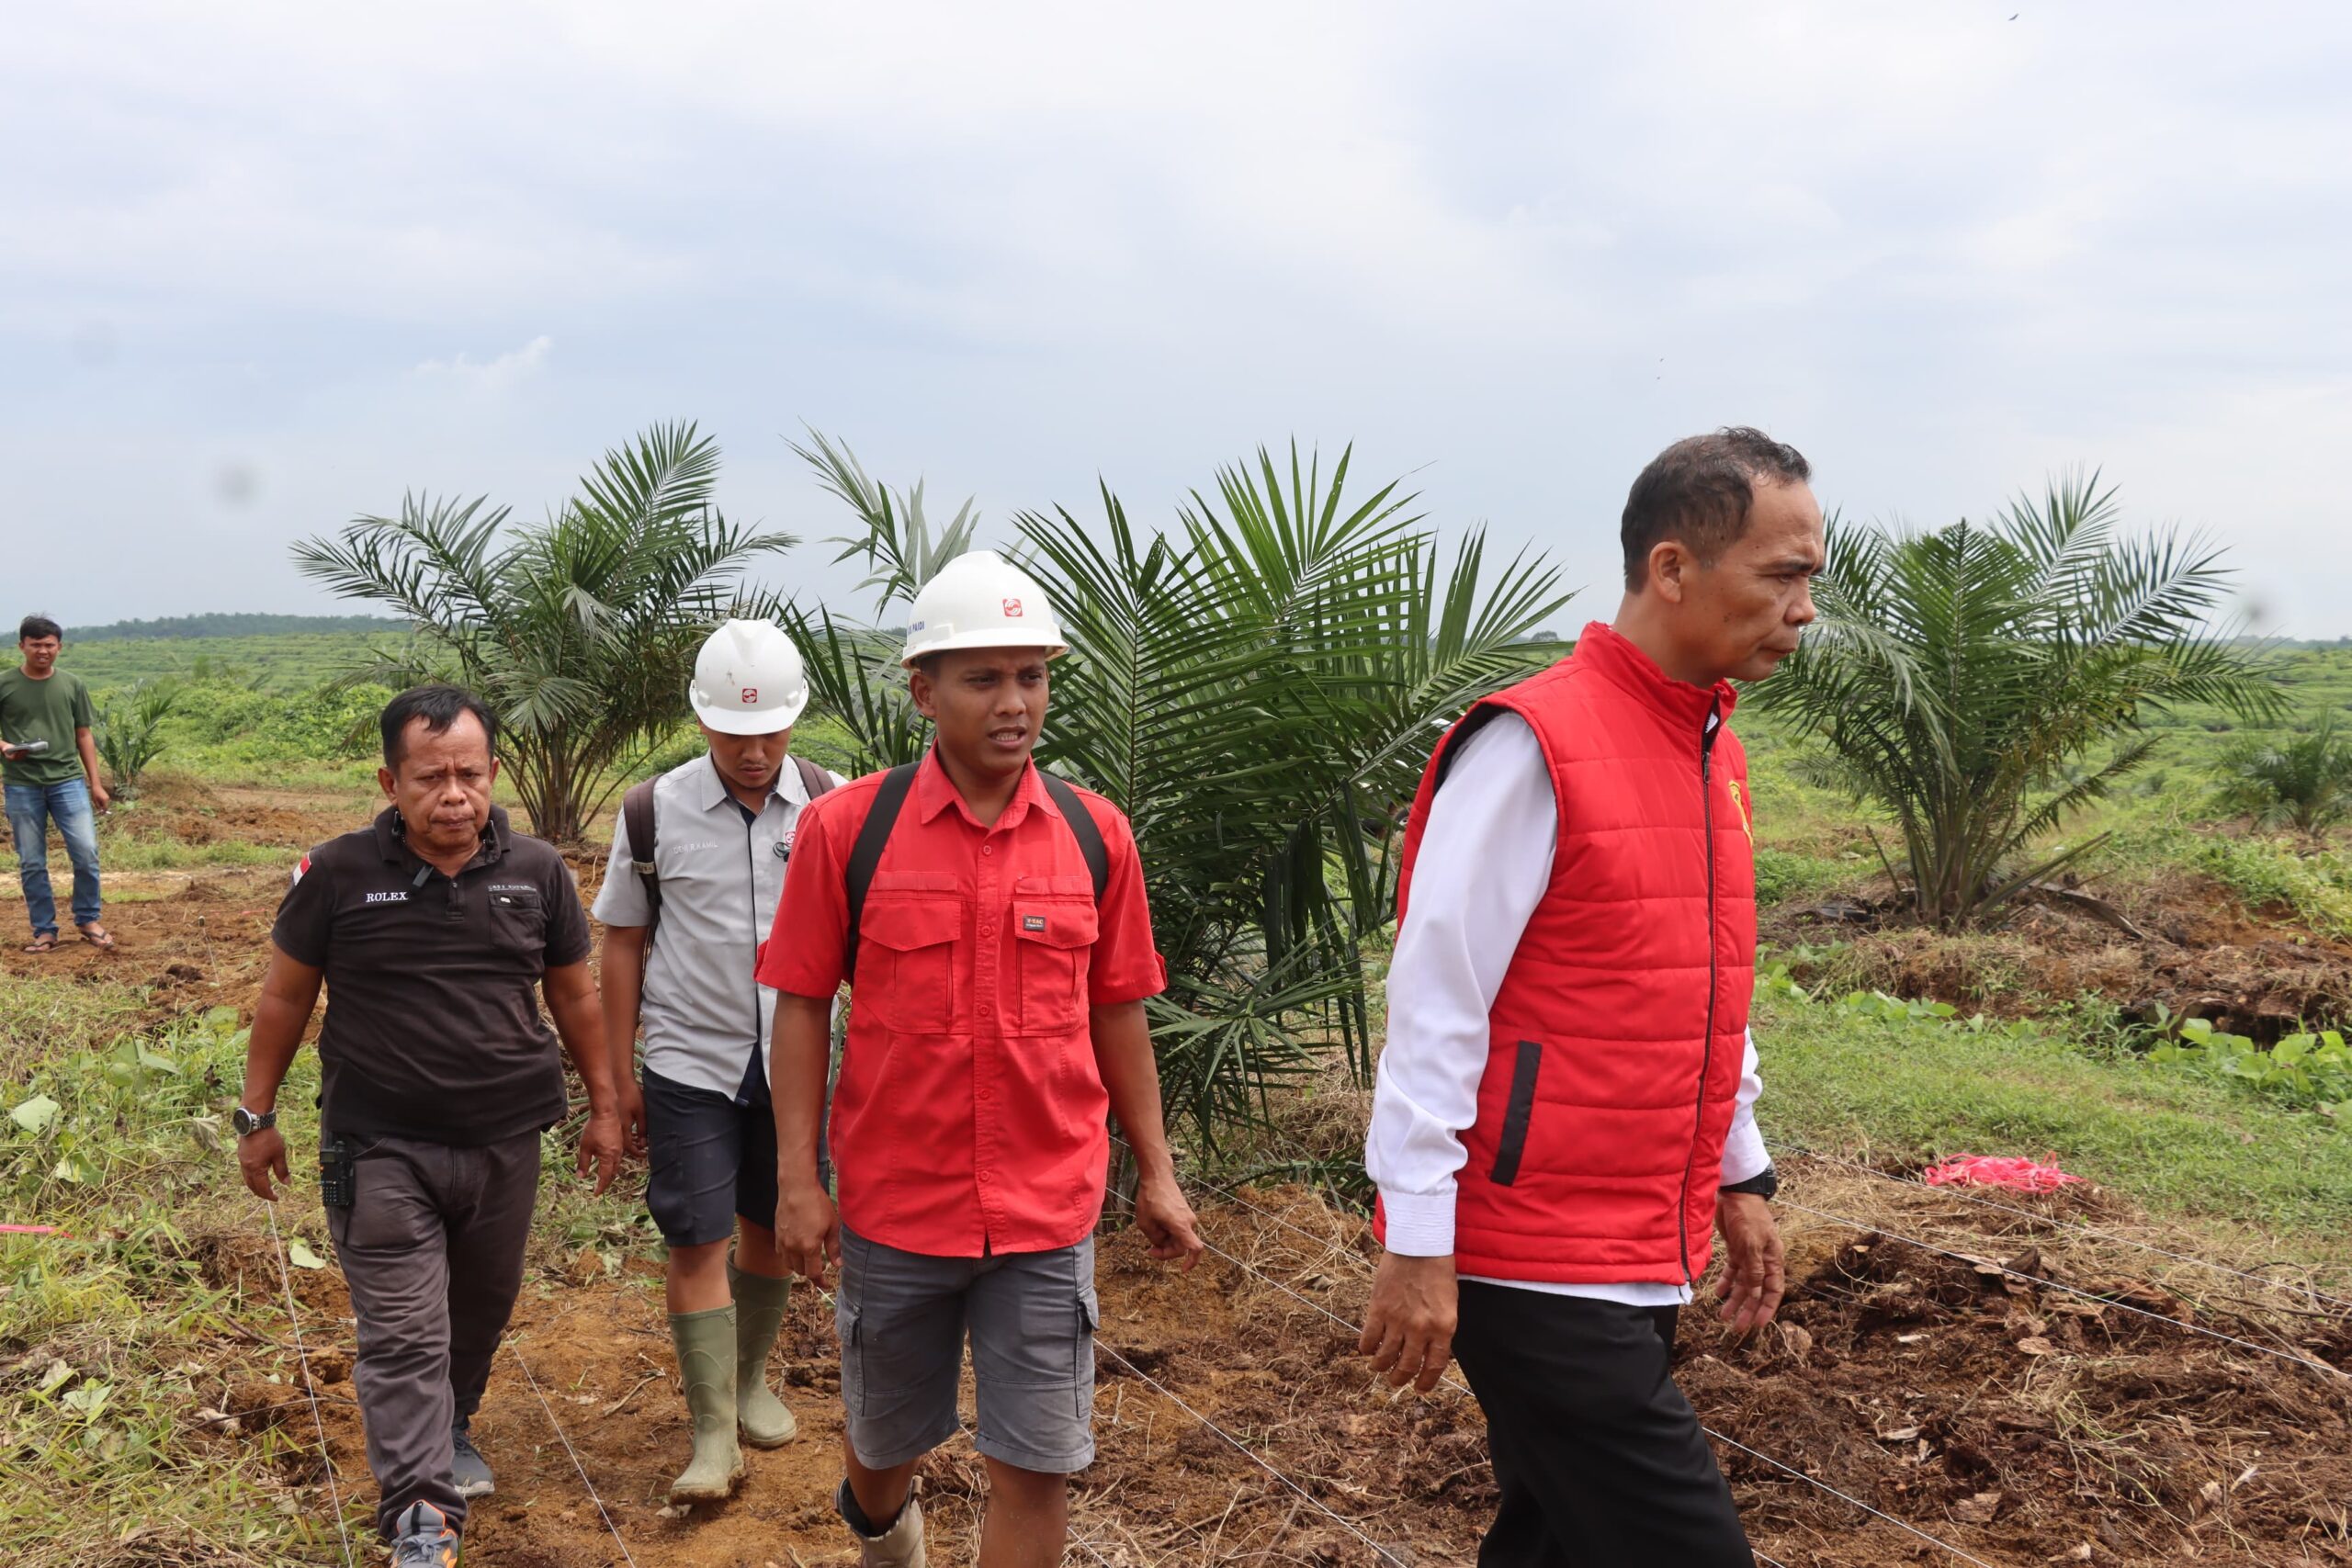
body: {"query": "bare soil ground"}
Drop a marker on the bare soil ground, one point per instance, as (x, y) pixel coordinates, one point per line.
(2184, 943)
(2012, 1420)
(2016, 1422)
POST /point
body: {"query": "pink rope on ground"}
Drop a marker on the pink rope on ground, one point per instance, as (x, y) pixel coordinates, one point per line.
(2013, 1171)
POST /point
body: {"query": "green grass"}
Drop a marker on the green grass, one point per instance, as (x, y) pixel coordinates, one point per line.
(2175, 1142)
(43, 1016)
(170, 854)
(113, 1336)
(286, 663)
(115, 1331)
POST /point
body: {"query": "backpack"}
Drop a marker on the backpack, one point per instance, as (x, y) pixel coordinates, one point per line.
(637, 819)
(866, 853)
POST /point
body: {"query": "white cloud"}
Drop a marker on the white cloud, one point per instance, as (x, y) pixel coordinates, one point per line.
(1020, 246)
(489, 377)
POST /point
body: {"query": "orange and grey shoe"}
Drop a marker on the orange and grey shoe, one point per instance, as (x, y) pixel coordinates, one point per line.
(424, 1539)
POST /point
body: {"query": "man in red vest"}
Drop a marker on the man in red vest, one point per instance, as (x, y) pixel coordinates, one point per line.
(1564, 1108)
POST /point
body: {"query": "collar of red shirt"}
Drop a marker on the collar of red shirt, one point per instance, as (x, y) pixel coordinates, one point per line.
(935, 791)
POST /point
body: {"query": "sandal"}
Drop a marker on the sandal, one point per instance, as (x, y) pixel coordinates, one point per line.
(97, 936)
(42, 944)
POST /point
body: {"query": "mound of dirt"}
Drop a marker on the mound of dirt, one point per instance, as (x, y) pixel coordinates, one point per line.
(2182, 947)
(2003, 1413)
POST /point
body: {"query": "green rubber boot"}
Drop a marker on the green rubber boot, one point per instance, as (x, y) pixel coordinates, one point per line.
(900, 1546)
(765, 1421)
(705, 1342)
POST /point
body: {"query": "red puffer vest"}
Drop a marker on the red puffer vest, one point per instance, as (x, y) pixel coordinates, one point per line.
(1617, 1036)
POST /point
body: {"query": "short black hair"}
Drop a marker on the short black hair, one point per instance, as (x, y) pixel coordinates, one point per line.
(33, 626)
(439, 708)
(1698, 492)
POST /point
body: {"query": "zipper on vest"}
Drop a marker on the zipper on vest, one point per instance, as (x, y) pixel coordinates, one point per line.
(1707, 1043)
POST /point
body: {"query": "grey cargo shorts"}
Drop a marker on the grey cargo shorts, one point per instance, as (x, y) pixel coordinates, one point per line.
(903, 1316)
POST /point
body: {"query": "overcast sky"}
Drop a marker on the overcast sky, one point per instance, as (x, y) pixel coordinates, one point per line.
(263, 267)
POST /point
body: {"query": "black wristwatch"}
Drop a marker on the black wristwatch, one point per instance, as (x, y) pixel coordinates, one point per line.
(1765, 1184)
(247, 1123)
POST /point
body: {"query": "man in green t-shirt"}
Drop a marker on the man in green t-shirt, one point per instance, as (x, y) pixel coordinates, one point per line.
(50, 765)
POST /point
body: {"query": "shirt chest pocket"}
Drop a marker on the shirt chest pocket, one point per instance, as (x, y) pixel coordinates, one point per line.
(906, 961)
(518, 920)
(1053, 940)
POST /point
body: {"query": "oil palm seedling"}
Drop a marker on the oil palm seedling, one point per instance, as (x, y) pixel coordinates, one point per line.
(580, 631)
(1981, 683)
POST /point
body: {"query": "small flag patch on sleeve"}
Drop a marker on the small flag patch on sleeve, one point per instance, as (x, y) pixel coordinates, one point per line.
(301, 869)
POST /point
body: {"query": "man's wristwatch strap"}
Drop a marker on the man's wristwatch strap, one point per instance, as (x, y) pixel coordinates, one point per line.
(247, 1122)
(1765, 1184)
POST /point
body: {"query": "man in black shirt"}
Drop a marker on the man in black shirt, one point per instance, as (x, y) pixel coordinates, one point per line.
(430, 930)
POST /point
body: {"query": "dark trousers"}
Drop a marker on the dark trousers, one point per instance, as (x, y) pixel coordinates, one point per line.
(432, 1249)
(1599, 1457)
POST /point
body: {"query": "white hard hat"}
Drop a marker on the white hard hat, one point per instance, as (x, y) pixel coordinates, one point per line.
(748, 679)
(981, 600)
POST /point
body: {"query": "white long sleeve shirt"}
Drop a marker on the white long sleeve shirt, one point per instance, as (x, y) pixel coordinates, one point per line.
(1485, 861)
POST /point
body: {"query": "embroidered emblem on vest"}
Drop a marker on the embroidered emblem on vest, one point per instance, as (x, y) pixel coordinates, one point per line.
(1747, 818)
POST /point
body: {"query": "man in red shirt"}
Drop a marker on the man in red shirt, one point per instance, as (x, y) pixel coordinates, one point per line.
(991, 921)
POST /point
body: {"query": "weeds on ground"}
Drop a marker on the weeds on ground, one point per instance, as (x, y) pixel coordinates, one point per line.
(111, 1416)
(2309, 1070)
(43, 1016)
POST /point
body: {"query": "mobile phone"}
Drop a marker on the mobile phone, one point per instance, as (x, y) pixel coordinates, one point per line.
(28, 747)
(338, 1182)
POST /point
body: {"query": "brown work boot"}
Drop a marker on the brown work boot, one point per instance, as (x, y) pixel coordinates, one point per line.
(900, 1546)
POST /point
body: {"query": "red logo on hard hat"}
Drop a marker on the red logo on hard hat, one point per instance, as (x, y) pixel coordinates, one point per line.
(1011, 607)
(751, 696)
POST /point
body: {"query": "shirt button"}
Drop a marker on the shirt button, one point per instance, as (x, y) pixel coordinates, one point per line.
(988, 849)
(988, 931)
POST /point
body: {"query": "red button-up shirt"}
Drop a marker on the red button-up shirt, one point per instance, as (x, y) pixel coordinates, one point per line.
(969, 1114)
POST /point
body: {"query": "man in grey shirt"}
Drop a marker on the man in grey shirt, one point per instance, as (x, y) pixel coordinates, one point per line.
(721, 830)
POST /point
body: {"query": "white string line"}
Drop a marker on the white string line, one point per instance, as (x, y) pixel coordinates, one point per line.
(1354, 1328)
(516, 1351)
(310, 1384)
(2287, 1287)
(1460, 1387)
(1982, 1263)
(1963, 1554)
(1232, 1195)
(1250, 1453)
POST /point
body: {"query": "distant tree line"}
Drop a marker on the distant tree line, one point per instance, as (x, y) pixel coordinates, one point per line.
(219, 624)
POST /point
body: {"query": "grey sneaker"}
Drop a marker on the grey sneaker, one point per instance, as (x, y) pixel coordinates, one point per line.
(424, 1539)
(471, 1471)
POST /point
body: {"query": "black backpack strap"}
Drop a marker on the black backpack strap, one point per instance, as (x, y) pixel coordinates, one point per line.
(636, 819)
(1083, 827)
(813, 779)
(866, 853)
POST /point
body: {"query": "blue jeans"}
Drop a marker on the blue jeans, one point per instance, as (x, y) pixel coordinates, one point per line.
(31, 809)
